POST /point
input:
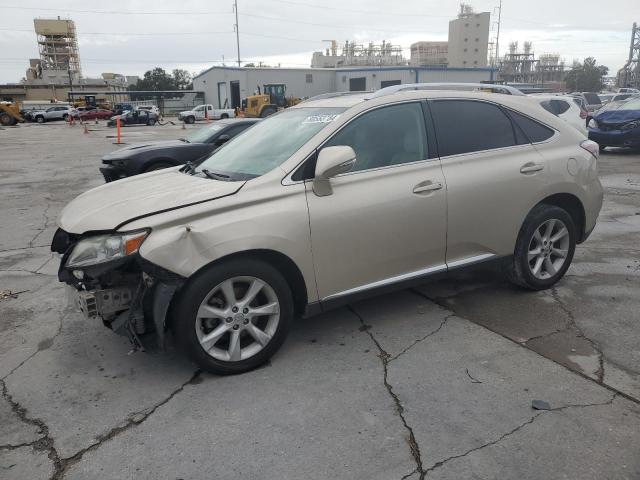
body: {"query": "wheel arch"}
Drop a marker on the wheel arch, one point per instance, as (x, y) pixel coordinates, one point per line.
(147, 163)
(281, 262)
(573, 206)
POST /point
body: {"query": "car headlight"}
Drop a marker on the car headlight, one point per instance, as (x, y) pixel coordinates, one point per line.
(631, 125)
(592, 123)
(105, 248)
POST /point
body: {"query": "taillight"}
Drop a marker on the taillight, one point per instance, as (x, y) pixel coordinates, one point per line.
(583, 114)
(592, 147)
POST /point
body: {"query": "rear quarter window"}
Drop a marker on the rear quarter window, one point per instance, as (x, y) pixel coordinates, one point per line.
(534, 131)
(592, 98)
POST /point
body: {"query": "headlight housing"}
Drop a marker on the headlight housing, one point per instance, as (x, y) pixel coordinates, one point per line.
(592, 123)
(631, 125)
(99, 249)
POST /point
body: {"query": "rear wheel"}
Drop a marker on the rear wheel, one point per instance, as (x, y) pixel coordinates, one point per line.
(224, 115)
(267, 111)
(544, 249)
(601, 148)
(151, 122)
(234, 316)
(65, 117)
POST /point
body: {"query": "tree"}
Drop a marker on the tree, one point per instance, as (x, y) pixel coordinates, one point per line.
(156, 79)
(586, 76)
(182, 79)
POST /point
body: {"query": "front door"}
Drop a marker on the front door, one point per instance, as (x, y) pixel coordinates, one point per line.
(386, 218)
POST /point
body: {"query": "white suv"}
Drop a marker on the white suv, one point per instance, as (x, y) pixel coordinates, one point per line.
(326, 202)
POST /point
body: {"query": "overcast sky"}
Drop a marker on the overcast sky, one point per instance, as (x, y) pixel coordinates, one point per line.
(131, 36)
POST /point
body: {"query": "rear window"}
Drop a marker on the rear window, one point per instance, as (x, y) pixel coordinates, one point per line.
(592, 98)
(534, 131)
(464, 126)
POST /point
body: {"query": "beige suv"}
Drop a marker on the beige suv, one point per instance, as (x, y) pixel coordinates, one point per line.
(326, 202)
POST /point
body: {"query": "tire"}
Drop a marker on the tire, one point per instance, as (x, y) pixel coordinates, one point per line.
(157, 166)
(65, 117)
(205, 291)
(521, 270)
(601, 148)
(40, 119)
(151, 122)
(190, 120)
(6, 120)
(223, 116)
(267, 111)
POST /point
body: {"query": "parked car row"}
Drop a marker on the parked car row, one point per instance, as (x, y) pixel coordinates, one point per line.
(323, 203)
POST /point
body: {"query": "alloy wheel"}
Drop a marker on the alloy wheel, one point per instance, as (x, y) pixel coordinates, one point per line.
(237, 318)
(548, 249)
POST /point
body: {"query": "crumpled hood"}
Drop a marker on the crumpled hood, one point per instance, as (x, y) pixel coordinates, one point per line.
(142, 147)
(109, 205)
(617, 116)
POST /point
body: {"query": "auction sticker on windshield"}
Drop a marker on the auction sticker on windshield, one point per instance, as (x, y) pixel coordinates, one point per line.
(321, 118)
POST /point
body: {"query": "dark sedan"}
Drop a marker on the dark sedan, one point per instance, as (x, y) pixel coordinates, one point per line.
(146, 157)
(137, 117)
(617, 125)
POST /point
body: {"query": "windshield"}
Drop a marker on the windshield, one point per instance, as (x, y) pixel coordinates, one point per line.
(202, 135)
(629, 104)
(269, 143)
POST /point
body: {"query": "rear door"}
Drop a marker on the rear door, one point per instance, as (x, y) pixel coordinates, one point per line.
(494, 176)
(386, 218)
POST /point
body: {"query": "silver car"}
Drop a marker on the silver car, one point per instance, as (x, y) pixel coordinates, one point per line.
(326, 202)
(52, 113)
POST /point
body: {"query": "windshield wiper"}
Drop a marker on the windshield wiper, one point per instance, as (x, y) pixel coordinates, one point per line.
(214, 175)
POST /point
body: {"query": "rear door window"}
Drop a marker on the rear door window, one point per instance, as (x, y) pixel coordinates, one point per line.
(592, 98)
(464, 126)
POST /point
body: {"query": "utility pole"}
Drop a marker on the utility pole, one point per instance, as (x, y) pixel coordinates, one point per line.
(235, 27)
(498, 34)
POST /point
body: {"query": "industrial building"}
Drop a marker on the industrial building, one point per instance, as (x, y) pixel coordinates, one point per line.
(433, 54)
(57, 72)
(469, 39)
(227, 86)
(358, 55)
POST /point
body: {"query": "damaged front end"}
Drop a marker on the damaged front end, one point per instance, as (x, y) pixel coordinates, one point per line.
(108, 279)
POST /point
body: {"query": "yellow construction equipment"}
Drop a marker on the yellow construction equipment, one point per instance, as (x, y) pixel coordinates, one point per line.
(10, 114)
(269, 102)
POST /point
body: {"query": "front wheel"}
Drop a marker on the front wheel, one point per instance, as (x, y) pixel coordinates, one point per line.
(40, 119)
(544, 249)
(151, 122)
(234, 316)
(190, 120)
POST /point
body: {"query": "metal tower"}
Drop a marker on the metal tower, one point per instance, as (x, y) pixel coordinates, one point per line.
(58, 45)
(630, 74)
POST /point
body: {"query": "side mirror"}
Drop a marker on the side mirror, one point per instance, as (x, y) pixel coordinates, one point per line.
(332, 161)
(222, 139)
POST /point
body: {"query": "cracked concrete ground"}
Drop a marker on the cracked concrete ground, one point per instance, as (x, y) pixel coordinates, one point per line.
(433, 382)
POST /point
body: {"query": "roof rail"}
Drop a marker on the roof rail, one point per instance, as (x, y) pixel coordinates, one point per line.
(483, 87)
(323, 96)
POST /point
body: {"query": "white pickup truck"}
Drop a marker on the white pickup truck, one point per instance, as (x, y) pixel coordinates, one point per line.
(198, 113)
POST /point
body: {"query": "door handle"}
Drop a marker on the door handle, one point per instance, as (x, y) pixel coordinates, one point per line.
(531, 167)
(429, 187)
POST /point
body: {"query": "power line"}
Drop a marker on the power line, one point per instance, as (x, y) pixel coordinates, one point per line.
(117, 12)
(368, 12)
